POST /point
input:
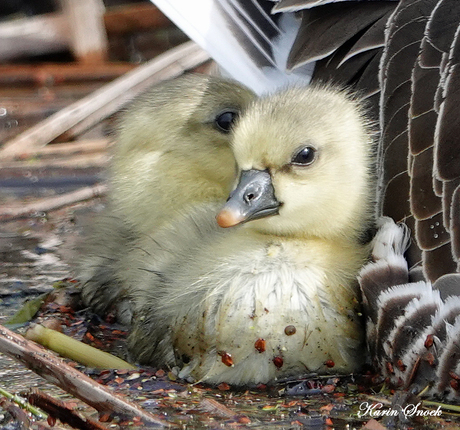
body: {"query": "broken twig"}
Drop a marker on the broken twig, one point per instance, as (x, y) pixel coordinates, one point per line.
(58, 409)
(22, 420)
(44, 205)
(90, 110)
(23, 404)
(56, 371)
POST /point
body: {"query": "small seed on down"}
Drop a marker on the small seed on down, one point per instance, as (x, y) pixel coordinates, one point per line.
(260, 345)
(290, 330)
(429, 341)
(226, 358)
(400, 365)
(329, 363)
(278, 361)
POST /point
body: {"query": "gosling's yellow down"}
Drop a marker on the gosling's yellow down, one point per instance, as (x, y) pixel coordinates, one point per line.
(172, 150)
(274, 293)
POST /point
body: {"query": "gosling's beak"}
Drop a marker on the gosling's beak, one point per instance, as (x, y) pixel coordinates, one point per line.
(254, 197)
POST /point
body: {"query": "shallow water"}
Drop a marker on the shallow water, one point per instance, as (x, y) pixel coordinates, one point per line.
(39, 251)
(33, 256)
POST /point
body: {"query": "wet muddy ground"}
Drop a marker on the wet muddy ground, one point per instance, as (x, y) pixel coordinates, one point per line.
(37, 254)
(34, 255)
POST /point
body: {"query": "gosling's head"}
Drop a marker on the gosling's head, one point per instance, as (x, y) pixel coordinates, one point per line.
(305, 165)
(194, 112)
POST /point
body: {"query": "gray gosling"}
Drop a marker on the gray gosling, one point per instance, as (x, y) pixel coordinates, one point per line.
(172, 150)
(274, 292)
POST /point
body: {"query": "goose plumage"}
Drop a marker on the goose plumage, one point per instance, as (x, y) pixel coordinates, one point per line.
(402, 56)
(274, 293)
(172, 150)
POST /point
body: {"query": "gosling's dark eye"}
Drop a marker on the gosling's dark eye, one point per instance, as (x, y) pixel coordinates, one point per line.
(304, 157)
(224, 121)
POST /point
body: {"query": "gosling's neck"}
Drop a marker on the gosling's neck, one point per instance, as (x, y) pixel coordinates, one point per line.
(353, 230)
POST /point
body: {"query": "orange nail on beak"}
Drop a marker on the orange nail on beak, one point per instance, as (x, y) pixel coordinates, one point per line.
(228, 218)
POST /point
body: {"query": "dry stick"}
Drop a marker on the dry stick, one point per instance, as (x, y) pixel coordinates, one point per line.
(48, 33)
(58, 409)
(89, 42)
(92, 109)
(79, 147)
(80, 154)
(64, 72)
(17, 413)
(134, 17)
(56, 371)
(38, 35)
(213, 407)
(190, 59)
(44, 205)
(79, 161)
(23, 404)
